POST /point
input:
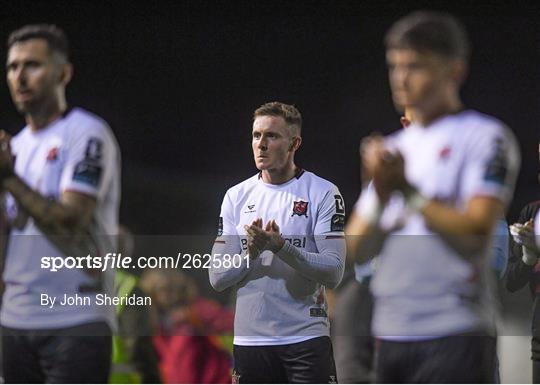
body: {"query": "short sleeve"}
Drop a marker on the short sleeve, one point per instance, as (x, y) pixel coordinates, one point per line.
(491, 166)
(91, 160)
(226, 225)
(331, 214)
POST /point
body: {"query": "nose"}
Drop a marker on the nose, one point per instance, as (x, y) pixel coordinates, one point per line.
(262, 144)
(18, 76)
(399, 76)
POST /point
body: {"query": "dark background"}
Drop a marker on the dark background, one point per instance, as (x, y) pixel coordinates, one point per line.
(178, 83)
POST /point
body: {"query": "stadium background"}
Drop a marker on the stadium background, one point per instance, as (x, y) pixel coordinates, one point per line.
(178, 83)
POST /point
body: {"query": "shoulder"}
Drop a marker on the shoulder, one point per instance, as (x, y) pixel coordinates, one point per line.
(242, 187)
(84, 123)
(321, 190)
(317, 183)
(20, 137)
(479, 125)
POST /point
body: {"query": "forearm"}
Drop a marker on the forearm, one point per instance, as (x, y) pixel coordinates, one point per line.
(469, 230)
(229, 266)
(325, 267)
(51, 216)
(447, 220)
(364, 240)
(517, 275)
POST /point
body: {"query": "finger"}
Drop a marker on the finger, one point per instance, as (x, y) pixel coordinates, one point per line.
(404, 122)
(250, 230)
(275, 227)
(257, 230)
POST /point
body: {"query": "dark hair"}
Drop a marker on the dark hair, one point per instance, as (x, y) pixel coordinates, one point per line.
(289, 113)
(435, 32)
(55, 37)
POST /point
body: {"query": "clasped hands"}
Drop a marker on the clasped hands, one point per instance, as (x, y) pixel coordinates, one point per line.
(260, 239)
(6, 159)
(523, 235)
(385, 168)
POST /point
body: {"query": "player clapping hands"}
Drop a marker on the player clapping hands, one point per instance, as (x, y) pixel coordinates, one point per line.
(523, 235)
(260, 239)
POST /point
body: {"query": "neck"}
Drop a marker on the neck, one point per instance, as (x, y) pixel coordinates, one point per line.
(45, 114)
(426, 115)
(279, 176)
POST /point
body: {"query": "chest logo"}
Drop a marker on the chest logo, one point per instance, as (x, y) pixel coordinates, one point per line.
(52, 155)
(300, 208)
(445, 153)
(250, 209)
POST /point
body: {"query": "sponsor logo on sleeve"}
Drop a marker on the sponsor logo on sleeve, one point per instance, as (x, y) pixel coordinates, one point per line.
(497, 167)
(87, 172)
(338, 222)
(300, 208)
(94, 149)
(317, 312)
(220, 227)
(340, 205)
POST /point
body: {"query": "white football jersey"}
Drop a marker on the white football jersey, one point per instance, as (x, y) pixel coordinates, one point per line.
(77, 152)
(282, 300)
(422, 287)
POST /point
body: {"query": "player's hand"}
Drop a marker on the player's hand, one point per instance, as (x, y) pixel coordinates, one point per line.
(391, 171)
(253, 250)
(275, 241)
(267, 239)
(405, 122)
(6, 159)
(370, 149)
(523, 234)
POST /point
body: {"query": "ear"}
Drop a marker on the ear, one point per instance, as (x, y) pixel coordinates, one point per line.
(459, 71)
(295, 143)
(66, 74)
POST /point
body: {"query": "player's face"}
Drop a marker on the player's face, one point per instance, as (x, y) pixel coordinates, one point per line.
(32, 74)
(272, 143)
(416, 79)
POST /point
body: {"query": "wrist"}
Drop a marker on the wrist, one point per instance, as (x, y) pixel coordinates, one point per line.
(280, 242)
(6, 174)
(414, 199)
(6, 178)
(529, 256)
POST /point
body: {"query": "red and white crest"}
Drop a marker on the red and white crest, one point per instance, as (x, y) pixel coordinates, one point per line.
(300, 208)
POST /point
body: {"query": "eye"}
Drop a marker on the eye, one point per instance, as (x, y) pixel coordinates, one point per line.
(33, 65)
(256, 135)
(11, 67)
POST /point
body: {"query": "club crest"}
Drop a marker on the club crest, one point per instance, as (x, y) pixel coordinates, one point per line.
(300, 208)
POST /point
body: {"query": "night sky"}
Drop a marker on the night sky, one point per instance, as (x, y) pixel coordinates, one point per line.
(178, 83)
